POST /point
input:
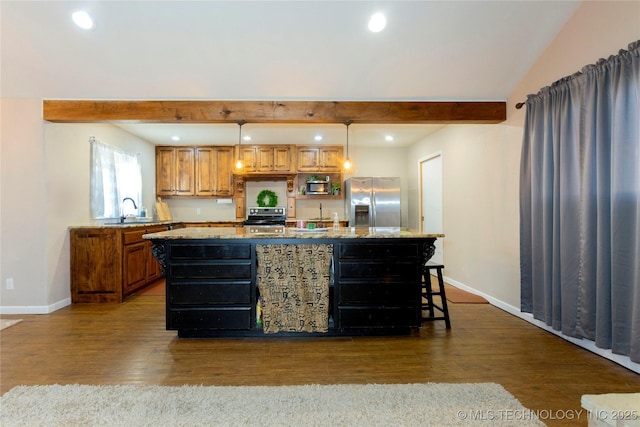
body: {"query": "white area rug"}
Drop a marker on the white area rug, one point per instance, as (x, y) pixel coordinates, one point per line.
(5, 323)
(310, 405)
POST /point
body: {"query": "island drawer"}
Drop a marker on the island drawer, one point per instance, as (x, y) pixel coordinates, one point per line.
(376, 317)
(218, 270)
(209, 293)
(209, 318)
(210, 251)
(384, 294)
(380, 270)
(378, 250)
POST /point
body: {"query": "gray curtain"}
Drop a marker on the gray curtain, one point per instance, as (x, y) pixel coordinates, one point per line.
(580, 204)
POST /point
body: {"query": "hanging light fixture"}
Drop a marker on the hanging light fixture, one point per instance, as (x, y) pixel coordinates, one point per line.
(239, 163)
(347, 161)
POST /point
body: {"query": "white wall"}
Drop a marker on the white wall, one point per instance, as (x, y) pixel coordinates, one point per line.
(45, 189)
(480, 205)
(67, 153)
(597, 30)
(379, 161)
(22, 202)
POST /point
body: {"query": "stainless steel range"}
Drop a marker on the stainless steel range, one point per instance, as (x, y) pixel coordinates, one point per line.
(265, 220)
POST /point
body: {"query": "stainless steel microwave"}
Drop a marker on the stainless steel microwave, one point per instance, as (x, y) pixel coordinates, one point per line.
(318, 187)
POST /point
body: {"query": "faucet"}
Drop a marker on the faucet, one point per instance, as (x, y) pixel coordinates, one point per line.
(320, 215)
(122, 218)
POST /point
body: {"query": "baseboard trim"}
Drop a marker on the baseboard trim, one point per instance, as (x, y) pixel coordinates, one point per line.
(35, 309)
(621, 360)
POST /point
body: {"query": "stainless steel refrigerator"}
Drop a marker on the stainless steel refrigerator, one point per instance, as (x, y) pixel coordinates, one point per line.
(372, 201)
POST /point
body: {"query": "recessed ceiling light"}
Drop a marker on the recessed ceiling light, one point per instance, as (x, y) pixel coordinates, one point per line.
(82, 19)
(246, 138)
(318, 137)
(175, 138)
(377, 23)
(388, 138)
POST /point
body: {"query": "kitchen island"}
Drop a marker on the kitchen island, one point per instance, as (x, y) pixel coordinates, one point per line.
(321, 282)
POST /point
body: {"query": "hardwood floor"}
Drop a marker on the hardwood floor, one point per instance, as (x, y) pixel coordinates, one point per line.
(128, 344)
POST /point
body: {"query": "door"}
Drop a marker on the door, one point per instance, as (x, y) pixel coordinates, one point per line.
(431, 200)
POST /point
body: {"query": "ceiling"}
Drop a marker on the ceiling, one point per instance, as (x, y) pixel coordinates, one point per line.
(275, 50)
(298, 134)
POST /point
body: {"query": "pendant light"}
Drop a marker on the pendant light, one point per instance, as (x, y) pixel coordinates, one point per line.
(347, 161)
(239, 163)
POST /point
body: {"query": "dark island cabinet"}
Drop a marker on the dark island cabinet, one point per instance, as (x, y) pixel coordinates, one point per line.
(379, 285)
(210, 287)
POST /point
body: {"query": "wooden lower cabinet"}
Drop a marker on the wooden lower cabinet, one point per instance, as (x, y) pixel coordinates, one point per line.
(109, 264)
(96, 265)
(135, 267)
(153, 269)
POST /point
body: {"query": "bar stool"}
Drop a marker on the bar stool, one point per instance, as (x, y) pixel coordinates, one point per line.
(428, 293)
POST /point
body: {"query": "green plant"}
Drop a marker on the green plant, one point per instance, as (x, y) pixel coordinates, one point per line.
(314, 178)
(267, 199)
(335, 187)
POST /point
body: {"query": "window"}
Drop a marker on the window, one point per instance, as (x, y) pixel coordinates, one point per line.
(115, 175)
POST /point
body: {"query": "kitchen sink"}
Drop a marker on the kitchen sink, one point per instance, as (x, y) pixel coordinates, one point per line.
(131, 222)
(311, 230)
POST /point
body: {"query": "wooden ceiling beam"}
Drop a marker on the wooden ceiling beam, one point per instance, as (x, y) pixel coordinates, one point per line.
(70, 111)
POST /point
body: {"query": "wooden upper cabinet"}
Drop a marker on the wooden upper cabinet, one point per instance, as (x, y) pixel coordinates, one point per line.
(185, 162)
(249, 156)
(266, 158)
(175, 171)
(308, 158)
(205, 171)
(194, 171)
(282, 159)
(320, 159)
(214, 176)
(165, 171)
(224, 168)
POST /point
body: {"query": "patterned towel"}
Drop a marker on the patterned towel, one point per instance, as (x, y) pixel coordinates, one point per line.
(294, 284)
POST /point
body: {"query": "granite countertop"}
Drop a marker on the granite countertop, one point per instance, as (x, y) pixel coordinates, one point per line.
(113, 223)
(145, 223)
(296, 233)
(129, 224)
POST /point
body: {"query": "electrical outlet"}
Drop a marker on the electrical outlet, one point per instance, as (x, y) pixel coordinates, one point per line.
(10, 283)
(198, 211)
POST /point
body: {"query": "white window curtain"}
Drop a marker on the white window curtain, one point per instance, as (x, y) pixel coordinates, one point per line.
(115, 175)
